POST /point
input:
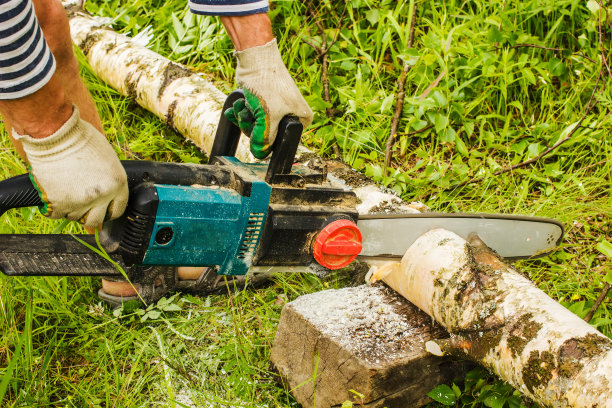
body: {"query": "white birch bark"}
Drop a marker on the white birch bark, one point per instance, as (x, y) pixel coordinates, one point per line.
(501, 320)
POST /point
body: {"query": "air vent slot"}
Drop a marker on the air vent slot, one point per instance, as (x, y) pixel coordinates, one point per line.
(135, 234)
(251, 235)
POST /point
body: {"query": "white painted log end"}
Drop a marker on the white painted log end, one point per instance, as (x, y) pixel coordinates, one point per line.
(434, 348)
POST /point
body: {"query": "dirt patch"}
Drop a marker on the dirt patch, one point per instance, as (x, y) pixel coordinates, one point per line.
(110, 46)
(569, 367)
(350, 177)
(521, 333)
(90, 40)
(475, 286)
(574, 350)
(170, 114)
(483, 342)
(72, 10)
(305, 156)
(538, 370)
(173, 71)
(131, 87)
(386, 207)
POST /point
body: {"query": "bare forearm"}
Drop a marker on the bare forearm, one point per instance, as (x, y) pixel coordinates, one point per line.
(32, 99)
(248, 31)
(39, 114)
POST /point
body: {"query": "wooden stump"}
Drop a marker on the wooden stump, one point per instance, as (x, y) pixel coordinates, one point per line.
(367, 339)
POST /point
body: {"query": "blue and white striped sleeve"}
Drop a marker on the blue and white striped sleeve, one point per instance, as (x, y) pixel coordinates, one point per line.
(26, 63)
(228, 7)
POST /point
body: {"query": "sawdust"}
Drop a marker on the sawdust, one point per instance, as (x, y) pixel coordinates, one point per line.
(372, 196)
(364, 321)
(351, 177)
(384, 207)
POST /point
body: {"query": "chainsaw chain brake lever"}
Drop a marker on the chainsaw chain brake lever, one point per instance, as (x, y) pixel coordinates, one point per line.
(284, 147)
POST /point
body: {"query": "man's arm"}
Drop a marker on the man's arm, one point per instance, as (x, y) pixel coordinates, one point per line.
(74, 168)
(248, 31)
(39, 114)
(26, 70)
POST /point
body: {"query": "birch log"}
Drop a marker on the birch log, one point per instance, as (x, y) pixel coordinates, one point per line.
(190, 103)
(499, 319)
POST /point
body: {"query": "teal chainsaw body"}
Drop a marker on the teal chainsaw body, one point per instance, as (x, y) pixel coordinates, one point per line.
(201, 225)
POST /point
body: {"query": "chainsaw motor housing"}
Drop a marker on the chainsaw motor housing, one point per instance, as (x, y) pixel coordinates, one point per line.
(233, 225)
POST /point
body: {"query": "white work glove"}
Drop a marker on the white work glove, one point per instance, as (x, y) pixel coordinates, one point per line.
(77, 173)
(270, 94)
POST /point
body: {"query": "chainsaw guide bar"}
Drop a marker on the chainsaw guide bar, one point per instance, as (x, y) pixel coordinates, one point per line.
(53, 255)
(511, 236)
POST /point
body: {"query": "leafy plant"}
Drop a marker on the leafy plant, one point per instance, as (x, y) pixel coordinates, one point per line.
(478, 389)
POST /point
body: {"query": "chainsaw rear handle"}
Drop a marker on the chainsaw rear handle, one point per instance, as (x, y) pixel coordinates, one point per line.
(19, 191)
(284, 147)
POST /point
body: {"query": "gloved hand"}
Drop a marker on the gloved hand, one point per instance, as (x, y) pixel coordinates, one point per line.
(270, 94)
(77, 173)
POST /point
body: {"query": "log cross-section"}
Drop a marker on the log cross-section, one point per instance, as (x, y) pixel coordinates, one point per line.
(363, 344)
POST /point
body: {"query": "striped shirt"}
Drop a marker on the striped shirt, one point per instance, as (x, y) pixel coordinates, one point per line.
(228, 7)
(26, 63)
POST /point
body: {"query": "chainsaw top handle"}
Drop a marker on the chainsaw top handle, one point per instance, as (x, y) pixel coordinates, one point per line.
(284, 147)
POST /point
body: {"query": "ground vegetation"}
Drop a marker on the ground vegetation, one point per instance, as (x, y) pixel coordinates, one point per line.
(503, 107)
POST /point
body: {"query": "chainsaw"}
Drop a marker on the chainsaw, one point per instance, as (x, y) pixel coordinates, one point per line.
(236, 218)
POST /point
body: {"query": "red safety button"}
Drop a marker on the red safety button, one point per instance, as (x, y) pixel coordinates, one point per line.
(338, 244)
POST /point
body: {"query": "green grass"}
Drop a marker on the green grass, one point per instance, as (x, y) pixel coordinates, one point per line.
(498, 104)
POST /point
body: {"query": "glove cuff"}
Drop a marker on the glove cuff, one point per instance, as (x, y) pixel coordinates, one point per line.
(66, 137)
(256, 58)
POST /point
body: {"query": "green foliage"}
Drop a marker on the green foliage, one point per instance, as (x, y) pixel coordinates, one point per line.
(487, 87)
(172, 30)
(605, 248)
(358, 400)
(152, 312)
(490, 85)
(444, 394)
(478, 388)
